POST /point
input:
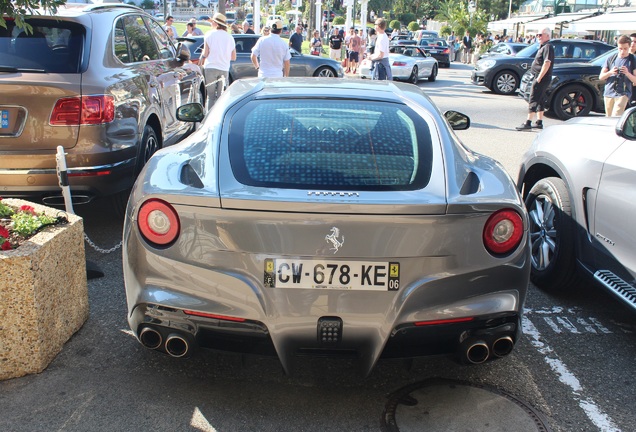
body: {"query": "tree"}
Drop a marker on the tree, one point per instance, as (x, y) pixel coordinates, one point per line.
(21, 9)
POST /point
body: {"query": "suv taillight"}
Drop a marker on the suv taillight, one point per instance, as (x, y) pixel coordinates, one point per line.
(85, 110)
(503, 232)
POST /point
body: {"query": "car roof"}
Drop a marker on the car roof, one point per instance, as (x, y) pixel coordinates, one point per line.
(77, 9)
(328, 87)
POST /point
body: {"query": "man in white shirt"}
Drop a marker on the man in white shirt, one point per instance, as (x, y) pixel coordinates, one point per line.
(219, 49)
(169, 28)
(380, 56)
(270, 55)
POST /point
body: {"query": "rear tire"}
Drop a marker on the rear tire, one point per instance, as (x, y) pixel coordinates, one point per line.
(433, 75)
(552, 235)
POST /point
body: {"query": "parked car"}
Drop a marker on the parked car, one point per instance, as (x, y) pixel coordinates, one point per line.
(502, 73)
(326, 217)
(300, 64)
(504, 48)
(575, 89)
(578, 183)
(250, 18)
(439, 49)
(408, 63)
(271, 19)
(102, 80)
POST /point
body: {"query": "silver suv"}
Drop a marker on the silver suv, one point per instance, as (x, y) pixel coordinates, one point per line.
(104, 81)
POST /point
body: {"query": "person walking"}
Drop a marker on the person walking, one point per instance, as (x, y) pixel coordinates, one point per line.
(270, 56)
(467, 45)
(632, 50)
(219, 49)
(380, 56)
(541, 69)
(170, 28)
(451, 46)
(316, 43)
(618, 74)
(335, 45)
(247, 28)
(296, 40)
(192, 29)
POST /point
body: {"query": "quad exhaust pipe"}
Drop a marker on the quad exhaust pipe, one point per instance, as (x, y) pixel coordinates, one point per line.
(176, 345)
(503, 346)
(477, 352)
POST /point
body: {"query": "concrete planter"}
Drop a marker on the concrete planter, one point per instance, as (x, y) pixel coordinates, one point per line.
(43, 295)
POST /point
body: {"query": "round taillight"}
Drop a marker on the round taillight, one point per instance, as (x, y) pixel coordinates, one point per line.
(503, 232)
(158, 222)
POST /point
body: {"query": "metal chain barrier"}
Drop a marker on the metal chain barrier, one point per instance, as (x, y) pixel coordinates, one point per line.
(100, 250)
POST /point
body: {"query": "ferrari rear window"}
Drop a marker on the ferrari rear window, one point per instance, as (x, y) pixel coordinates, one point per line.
(53, 46)
(330, 144)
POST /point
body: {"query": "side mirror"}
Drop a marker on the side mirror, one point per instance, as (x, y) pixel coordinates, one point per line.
(457, 120)
(626, 126)
(192, 112)
(183, 52)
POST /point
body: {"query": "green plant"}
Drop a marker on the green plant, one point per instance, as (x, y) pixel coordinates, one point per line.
(24, 223)
(395, 24)
(338, 20)
(413, 26)
(445, 30)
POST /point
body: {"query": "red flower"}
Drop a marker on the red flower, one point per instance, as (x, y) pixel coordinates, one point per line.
(4, 232)
(6, 246)
(28, 209)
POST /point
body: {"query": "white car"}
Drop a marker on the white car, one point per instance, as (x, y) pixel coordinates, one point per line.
(271, 19)
(408, 63)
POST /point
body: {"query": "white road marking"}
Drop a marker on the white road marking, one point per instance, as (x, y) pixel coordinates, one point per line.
(601, 420)
(199, 421)
(558, 320)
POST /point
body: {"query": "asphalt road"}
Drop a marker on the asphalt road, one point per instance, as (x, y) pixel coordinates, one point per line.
(574, 366)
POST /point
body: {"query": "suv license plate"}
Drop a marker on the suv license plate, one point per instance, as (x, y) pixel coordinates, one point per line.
(338, 275)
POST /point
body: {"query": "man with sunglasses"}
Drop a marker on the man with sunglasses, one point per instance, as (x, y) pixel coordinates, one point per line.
(542, 70)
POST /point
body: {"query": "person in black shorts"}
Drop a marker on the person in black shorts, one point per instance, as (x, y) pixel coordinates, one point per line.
(542, 70)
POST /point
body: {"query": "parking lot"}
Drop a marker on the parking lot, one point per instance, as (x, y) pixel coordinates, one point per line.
(573, 370)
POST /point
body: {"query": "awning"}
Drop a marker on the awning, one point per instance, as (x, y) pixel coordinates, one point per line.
(554, 22)
(510, 23)
(620, 20)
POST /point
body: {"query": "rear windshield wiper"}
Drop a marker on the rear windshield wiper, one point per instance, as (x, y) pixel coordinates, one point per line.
(15, 69)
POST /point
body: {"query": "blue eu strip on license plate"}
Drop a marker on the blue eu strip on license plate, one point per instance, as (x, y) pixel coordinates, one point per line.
(4, 119)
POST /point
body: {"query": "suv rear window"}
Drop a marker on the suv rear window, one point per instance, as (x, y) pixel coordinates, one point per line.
(333, 145)
(54, 46)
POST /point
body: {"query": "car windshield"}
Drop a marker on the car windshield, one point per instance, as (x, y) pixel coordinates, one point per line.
(529, 51)
(600, 60)
(330, 145)
(52, 47)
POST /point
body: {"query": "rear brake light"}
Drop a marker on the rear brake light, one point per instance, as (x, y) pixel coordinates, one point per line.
(503, 232)
(446, 51)
(399, 63)
(158, 222)
(84, 110)
(213, 316)
(444, 321)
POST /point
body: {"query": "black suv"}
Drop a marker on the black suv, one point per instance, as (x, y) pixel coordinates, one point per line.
(502, 74)
(103, 81)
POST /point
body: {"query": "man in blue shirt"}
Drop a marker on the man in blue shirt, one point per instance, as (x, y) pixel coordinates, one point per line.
(296, 40)
(618, 73)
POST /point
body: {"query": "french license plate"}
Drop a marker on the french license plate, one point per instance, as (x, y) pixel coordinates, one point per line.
(4, 119)
(338, 275)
